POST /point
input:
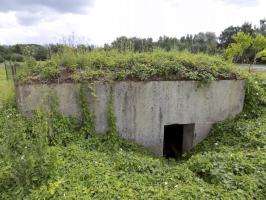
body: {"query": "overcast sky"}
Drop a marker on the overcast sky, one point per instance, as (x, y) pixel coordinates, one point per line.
(101, 21)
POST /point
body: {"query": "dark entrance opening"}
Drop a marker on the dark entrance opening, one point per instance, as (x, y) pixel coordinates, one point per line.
(173, 140)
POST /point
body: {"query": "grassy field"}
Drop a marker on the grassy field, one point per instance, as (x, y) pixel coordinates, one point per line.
(6, 86)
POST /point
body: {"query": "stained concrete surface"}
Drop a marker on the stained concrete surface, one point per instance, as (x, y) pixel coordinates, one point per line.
(142, 109)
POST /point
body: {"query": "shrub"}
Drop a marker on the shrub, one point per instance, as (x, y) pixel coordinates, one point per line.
(25, 157)
(46, 71)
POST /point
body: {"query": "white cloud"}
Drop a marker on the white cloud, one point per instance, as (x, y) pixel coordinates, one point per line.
(242, 2)
(107, 20)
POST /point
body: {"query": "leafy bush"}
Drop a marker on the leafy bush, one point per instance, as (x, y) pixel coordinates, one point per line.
(48, 70)
(255, 96)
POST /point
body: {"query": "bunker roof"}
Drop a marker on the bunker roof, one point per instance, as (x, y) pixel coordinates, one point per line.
(73, 66)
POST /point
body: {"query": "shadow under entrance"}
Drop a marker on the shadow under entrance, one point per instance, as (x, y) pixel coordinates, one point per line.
(177, 138)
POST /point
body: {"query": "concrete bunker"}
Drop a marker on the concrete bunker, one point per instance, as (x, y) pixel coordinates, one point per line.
(146, 112)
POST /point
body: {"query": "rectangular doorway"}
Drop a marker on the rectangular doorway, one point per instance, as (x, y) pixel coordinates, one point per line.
(173, 140)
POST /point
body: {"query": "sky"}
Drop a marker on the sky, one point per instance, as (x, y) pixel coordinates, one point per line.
(102, 21)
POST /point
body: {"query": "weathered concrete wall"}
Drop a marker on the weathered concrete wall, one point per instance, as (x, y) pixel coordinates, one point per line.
(143, 109)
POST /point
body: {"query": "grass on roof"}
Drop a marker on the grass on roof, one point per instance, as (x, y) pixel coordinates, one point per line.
(71, 65)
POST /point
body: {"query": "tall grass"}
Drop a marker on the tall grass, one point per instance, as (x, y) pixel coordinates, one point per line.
(7, 94)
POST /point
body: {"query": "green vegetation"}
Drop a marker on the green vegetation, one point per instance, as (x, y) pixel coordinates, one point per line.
(50, 156)
(6, 87)
(71, 65)
(243, 42)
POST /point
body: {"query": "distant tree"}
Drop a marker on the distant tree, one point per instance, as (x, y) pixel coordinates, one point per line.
(55, 48)
(248, 29)
(263, 24)
(134, 44)
(262, 28)
(107, 47)
(83, 47)
(199, 43)
(3, 51)
(186, 42)
(204, 42)
(212, 43)
(1, 59)
(41, 53)
(17, 57)
(164, 42)
(28, 51)
(226, 37)
(121, 43)
(17, 48)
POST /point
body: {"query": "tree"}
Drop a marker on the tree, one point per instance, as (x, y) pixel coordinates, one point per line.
(244, 41)
(17, 57)
(40, 53)
(262, 28)
(1, 59)
(241, 42)
(199, 43)
(17, 49)
(259, 46)
(262, 55)
(204, 42)
(226, 37)
(247, 28)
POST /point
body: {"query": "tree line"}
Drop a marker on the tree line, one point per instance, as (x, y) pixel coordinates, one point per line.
(202, 42)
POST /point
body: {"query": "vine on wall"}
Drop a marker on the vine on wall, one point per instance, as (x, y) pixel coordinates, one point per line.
(111, 118)
(88, 126)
